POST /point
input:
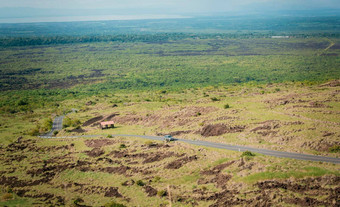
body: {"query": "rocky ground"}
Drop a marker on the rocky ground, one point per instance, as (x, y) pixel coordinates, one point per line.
(135, 172)
(110, 169)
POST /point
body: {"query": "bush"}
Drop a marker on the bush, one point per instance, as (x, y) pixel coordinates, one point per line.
(7, 196)
(149, 143)
(109, 136)
(34, 132)
(77, 201)
(334, 149)
(55, 132)
(114, 204)
(215, 99)
(226, 106)
(161, 193)
(46, 125)
(122, 146)
(140, 183)
(71, 122)
(248, 154)
(22, 102)
(156, 179)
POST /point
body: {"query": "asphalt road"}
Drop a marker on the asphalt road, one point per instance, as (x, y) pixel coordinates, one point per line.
(57, 125)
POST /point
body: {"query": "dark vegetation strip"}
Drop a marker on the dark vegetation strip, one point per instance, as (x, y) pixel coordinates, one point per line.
(148, 38)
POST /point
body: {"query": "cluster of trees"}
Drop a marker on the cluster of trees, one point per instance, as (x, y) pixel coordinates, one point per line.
(156, 37)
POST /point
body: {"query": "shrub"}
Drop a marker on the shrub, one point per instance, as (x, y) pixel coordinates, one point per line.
(77, 201)
(226, 106)
(22, 102)
(7, 196)
(215, 99)
(71, 122)
(198, 114)
(122, 146)
(55, 132)
(9, 190)
(149, 143)
(114, 204)
(156, 179)
(140, 183)
(34, 132)
(46, 125)
(109, 136)
(248, 154)
(161, 193)
(334, 149)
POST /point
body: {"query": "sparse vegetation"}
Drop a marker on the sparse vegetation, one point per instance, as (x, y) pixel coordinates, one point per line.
(140, 183)
(114, 204)
(247, 154)
(215, 99)
(7, 196)
(161, 193)
(335, 149)
(68, 122)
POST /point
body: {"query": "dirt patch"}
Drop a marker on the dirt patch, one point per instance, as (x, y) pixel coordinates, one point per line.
(150, 191)
(292, 98)
(108, 118)
(78, 130)
(175, 133)
(306, 201)
(317, 105)
(117, 170)
(158, 157)
(92, 121)
(128, 183)
(219, 179)
(15, 182)
(293, 123)
(334, 83)
(217, 169)
(214, 130)
(219, 129)
(321, 145)
(95, 152)
(226, 118)
(95, 143)
(266, 128)
(180, 162)
(113, 192)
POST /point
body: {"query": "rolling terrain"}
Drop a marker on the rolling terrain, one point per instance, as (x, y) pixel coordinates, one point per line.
(240, 88)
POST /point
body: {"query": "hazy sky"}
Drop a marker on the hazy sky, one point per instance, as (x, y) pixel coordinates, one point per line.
(180, 5)
(15, 11)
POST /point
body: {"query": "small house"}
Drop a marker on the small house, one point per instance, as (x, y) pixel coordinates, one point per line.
(107, 124)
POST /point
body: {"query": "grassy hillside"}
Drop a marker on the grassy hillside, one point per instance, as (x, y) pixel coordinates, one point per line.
(280, 94)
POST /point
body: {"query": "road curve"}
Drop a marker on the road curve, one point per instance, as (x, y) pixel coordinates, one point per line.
(57, 125)
(227, 147)
(58, 121)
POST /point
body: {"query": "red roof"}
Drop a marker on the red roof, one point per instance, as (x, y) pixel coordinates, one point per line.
(107, 123)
